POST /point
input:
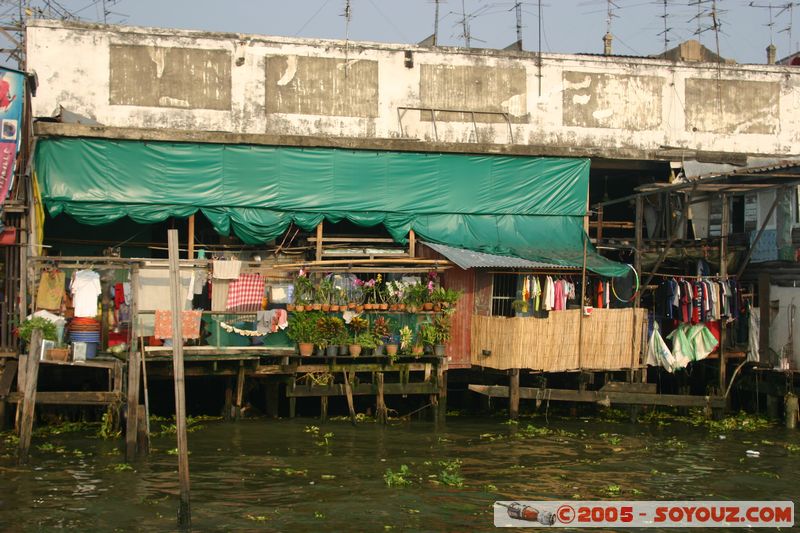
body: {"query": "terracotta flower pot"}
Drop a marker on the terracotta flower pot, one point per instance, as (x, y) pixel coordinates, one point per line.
(306, 348)
(359, 308)
(427, 306)
(351, 305)
(391, 349)
(417, 350)
(316, 307)
(384, 306)
(355, 350)
(401, 307)
(437, 307)
(299, 308)
(290, 307)
(412, 308)
(326, 307)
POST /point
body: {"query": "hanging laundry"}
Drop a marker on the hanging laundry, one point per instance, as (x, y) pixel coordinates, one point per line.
(85, 289)
(219, 294)
(536, 292)
(691, 343)
(51, 290)
(190, 324)
(119, 295)
(246, 293)
(271, 321)
(558, 296)
(658, 353)
(226, 269)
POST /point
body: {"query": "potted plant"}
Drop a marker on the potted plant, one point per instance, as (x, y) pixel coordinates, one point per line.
(427, 337)
(415, 295)
(362, 341)
(520, 307)
(358, 325)
(324, 294)
(330, 329)
(406, 339)
(391, 345)
(303, 330)
(303, 291)
(380, 330)
(441, 326)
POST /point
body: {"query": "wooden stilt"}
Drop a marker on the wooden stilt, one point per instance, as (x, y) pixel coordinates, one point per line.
(184, 510)
(6, 381)
(227, 410)
(146, 414)
(318, 254)
(134, 373)
(142, 434)
(29, 396)
(513, 405)
(349, 393)
(441, 378)
(239, 392)
(190, 239)
(272, 399)
(292, 407)
(381, 414)
(323, 408)
(723, 273)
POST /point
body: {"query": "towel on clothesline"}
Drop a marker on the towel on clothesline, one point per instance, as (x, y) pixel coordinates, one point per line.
(246, 293)
(227, 269)
(190, 324)
(271, 321)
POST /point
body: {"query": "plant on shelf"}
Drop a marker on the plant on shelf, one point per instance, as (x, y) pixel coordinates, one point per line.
(520, 306)
(303, 330)
(324, 294)
(415, 296)
(329, 331)
(381, 330)
(427, 335)
(366, 340)
(30, 324)
(358, 325)
(445, 298)
(441, 325)
(303, 291)
(357, 294)
(406, 339)
(392, 344)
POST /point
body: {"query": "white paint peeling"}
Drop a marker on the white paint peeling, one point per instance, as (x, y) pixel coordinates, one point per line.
(581, 99)
(291, 70)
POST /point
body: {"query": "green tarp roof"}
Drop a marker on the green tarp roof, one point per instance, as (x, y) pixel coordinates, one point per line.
(519, 206)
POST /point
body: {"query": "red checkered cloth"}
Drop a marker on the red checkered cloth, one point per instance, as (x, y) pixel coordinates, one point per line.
(246, 293)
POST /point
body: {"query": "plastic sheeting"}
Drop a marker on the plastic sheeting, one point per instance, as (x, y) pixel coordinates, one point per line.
(518, 206)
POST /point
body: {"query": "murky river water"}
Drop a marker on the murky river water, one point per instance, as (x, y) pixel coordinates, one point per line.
(282, 475)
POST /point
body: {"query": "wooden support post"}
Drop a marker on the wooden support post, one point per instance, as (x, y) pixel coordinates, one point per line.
(582, 302)
(441, 378)
(723, 274)
(184, 510)
(323, 408)
(381, 413)
(292, 407)
(599, 224)
(134, 372)
(348, 390)
(239, 392)
(227, 410)
(319, 242)
(513, 399)
(764, 312)
(29, 396)
(272, 398)
(190, 238)
(638, 242)
(412, 243)
(142, 434)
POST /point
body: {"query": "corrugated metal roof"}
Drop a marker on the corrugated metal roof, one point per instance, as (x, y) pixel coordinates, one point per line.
(471, 259)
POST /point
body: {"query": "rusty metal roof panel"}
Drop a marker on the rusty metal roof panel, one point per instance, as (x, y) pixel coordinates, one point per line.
(470, 259)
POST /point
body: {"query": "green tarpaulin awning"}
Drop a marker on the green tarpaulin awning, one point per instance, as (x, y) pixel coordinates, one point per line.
(520, 206)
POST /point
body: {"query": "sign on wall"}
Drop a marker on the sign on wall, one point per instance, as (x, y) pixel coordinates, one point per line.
(12, 96)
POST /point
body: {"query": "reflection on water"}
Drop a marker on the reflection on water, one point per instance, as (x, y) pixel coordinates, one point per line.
(282, 475)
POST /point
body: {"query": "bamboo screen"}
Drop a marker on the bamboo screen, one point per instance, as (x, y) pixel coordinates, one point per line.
(611, 339)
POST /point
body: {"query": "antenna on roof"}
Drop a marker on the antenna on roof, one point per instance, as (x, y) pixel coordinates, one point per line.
(665, 15)
(465, 25)
(775, 11)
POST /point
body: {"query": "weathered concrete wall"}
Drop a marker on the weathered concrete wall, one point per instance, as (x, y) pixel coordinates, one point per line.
(606, 106)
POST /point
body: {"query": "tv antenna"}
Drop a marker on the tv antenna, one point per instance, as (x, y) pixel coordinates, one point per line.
(665, 32)
(775, 11)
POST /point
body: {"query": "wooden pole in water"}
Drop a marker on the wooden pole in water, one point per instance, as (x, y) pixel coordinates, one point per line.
(583, 299)
(381, 414)
(29, 397)
(349, 393)
(184, 511)
(513, 398)
(134, 373)
(723, 274)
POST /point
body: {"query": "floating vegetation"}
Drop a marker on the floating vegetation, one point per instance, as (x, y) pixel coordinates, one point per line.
(739, 422)
(612, 490)
(256, 518)
(121, 467)
(489, 487)
(535, 431)
(64, 427)
(399, 478)
(451, 473)
(170, 427)
(291, 472)
(793, 448)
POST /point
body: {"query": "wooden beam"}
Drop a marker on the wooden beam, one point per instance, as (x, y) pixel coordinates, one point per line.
(632, 398)
(764, 318)
(190, 237)
(184, 509)
(134, 373)
(723, 273)
(638, 242)
(362, 389)
(239, 393)
(319, 242)
(72, 398)
(412, 243)
(348, 390)
(29, 395)
(381, 413)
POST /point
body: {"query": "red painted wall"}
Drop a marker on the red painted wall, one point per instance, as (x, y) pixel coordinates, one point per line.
(460, 334)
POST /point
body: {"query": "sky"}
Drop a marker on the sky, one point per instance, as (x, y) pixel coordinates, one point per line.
(568, 26)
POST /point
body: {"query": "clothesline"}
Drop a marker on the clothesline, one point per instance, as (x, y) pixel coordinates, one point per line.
(689, 276)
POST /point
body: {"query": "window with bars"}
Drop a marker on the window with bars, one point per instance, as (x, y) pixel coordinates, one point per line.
(504, 292)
